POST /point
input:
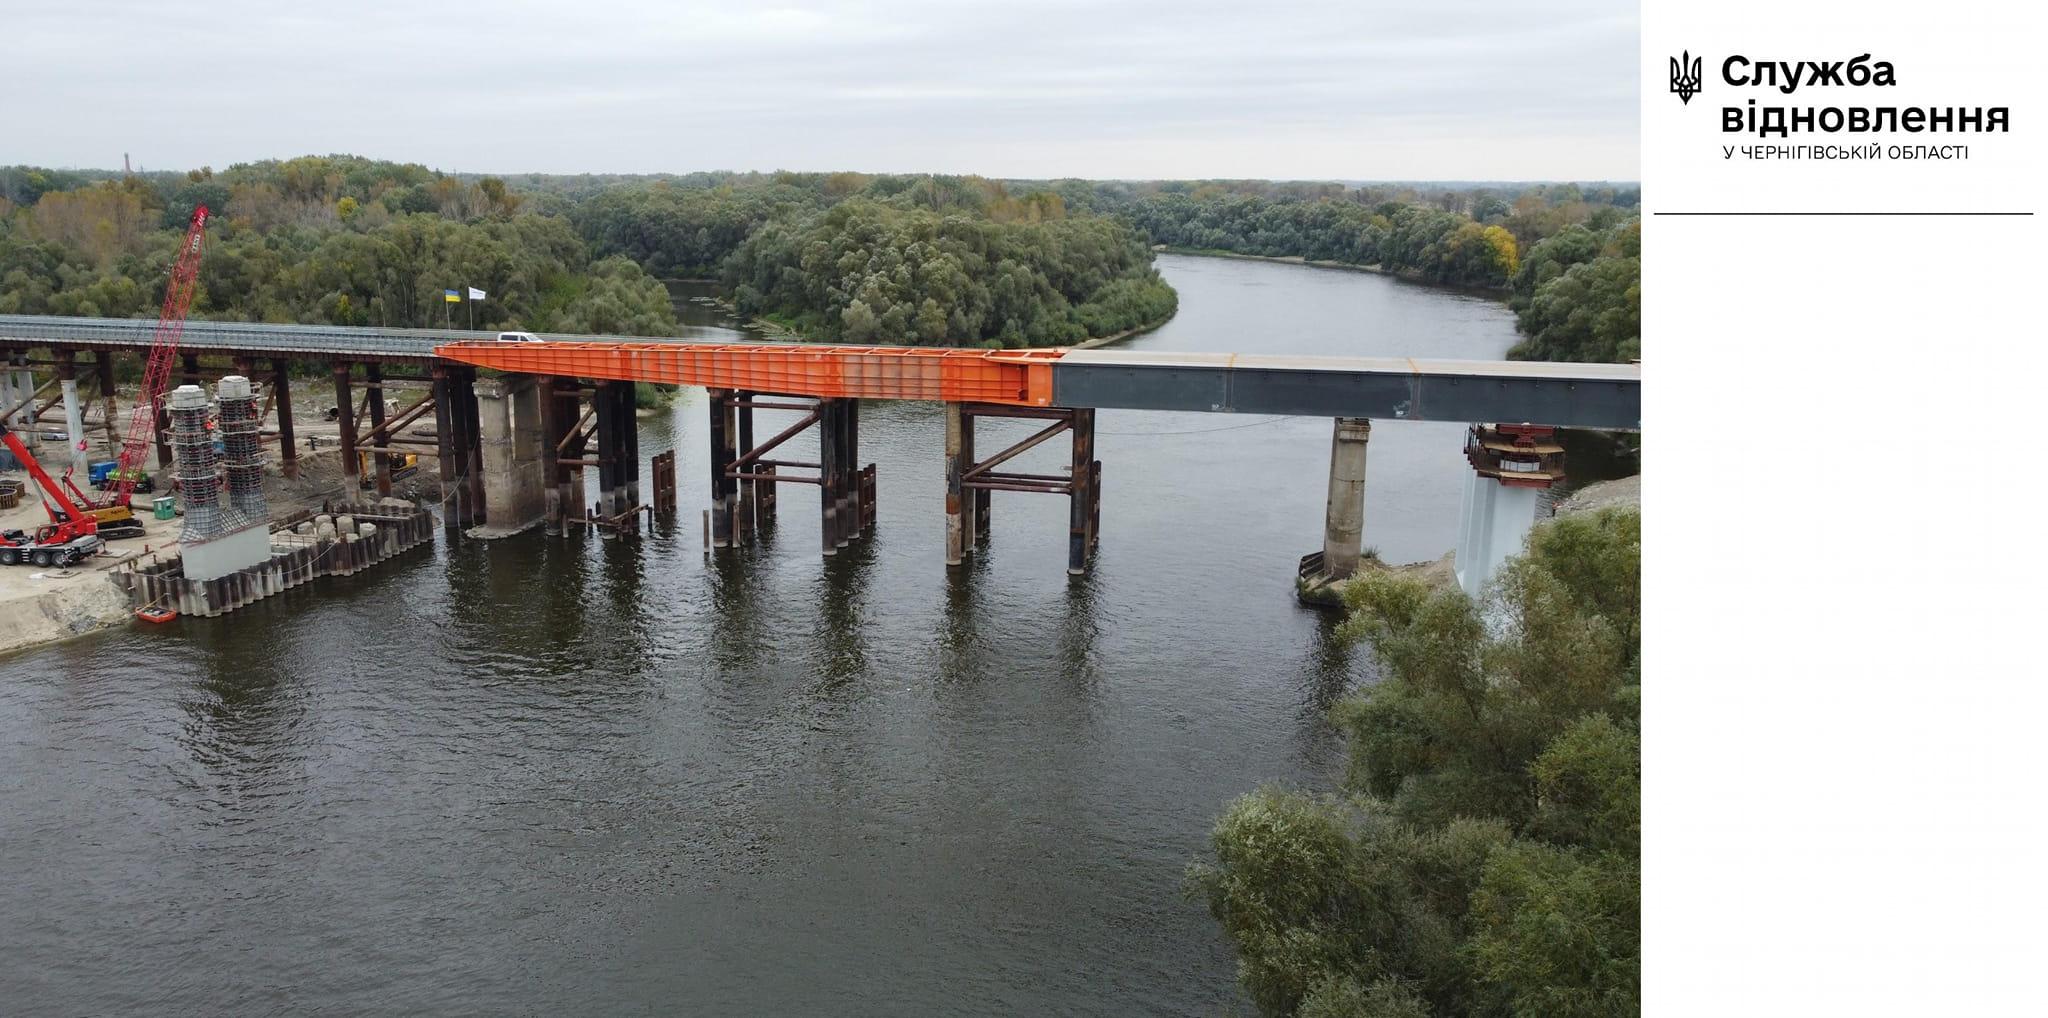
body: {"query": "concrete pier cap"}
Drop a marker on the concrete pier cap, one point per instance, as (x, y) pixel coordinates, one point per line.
(188, 397)
(233, 387)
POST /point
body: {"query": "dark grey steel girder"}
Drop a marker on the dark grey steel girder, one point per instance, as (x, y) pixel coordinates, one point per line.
(1604, 396)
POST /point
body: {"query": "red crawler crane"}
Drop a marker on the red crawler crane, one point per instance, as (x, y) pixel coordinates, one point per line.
(112, 509)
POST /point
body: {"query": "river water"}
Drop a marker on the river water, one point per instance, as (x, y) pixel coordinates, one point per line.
(577, 775)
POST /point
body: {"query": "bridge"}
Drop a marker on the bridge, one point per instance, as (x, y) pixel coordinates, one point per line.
(512, 446)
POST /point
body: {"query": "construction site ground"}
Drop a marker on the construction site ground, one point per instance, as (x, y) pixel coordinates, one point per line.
(42, 605)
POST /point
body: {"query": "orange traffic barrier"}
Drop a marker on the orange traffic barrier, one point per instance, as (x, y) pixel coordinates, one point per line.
(1013, 377)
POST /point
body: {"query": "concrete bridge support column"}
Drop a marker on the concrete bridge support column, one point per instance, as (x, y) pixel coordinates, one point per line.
(281, 390)
(1496, 519)
(74, 416)
(1511, 465)
(509, 432)
(1344, 512)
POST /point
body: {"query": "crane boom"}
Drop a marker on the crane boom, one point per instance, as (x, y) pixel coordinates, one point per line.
(163, 351)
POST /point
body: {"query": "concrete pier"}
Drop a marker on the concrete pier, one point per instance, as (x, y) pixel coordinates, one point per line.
(74, 414)
(1344, 511)
(510, 432)
(1511, 465)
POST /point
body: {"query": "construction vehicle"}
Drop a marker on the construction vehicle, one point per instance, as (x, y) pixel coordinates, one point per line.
(403, 465)
(112, 510)
(71, 536)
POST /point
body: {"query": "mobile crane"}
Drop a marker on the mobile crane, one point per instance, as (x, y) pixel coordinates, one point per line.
(71, 536)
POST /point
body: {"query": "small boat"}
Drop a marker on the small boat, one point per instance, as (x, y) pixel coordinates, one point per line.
(155, 614)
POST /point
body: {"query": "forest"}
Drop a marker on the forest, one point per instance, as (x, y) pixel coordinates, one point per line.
(334, 240)
(1567, 256)
(904, 258)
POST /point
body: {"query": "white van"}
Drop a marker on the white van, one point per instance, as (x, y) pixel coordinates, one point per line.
(519, 337)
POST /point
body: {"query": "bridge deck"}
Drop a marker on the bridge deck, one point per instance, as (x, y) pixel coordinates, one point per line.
(1605, 396)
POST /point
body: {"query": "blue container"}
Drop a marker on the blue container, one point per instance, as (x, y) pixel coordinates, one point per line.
(99, 472)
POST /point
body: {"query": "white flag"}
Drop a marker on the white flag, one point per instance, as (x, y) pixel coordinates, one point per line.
(475, 294)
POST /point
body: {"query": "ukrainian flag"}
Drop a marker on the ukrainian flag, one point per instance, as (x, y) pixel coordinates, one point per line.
(451, 296)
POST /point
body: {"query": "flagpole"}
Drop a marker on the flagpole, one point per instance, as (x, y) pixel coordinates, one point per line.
(471, 301)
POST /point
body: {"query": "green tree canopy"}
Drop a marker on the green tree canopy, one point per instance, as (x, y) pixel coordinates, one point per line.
(1483, 855)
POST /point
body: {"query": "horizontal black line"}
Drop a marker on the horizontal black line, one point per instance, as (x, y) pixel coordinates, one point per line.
(1841, 213)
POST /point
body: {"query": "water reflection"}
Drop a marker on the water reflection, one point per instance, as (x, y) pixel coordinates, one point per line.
(842, 635)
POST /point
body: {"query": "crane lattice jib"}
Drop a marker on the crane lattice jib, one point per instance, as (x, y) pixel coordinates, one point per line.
(163, 351)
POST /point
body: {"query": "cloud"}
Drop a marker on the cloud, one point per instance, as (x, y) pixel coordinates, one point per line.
(1456, 89)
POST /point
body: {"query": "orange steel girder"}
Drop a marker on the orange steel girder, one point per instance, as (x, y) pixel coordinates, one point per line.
(1012, 377)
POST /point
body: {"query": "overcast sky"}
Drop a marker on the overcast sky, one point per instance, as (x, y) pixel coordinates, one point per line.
(1410, 90)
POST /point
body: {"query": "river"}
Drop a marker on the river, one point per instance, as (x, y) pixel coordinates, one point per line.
(575, 775)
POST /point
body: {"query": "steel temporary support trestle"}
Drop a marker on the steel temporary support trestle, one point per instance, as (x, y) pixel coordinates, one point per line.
(743, 478)
(970, 480)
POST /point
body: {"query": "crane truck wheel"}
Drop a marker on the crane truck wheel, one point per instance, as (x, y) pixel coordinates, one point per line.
(8, 556)
(42, 557)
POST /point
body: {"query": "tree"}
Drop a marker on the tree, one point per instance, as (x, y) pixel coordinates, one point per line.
(1482, 858)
